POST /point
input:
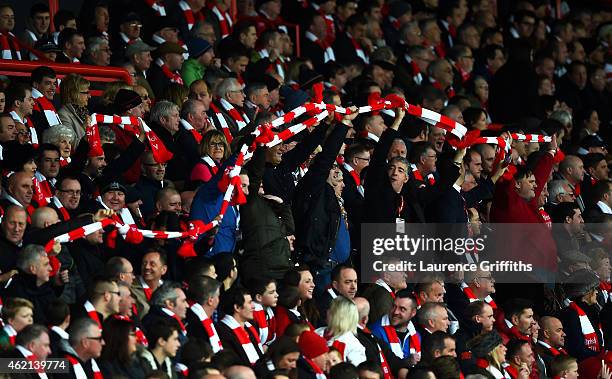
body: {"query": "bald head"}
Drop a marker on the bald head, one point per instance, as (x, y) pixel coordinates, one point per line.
(552, 331)
(363, 308)
(43, 217)
(572, 169)
(21, 188)
(239, 372)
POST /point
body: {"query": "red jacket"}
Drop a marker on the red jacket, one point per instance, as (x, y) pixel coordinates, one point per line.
(535, 242)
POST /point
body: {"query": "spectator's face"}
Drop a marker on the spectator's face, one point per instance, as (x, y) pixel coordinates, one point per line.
(288, 361)
(244, 185)
(49, 164)
(262, 99)
(376, 125)
(436, 137)
(444, 74)
(171, 121)
(7, 19)
(23, 317)
(207, 58)
(600, 171)
(23, 136)
(449, 348)
(403, 311)
(306, 285)
(236, 96)
(238, 66)
(576, 172)
(328, 7)
(576, 222)
(270, 297)
(144, 95)
(76, 46)
(96, 165)
(69, 194)
(170, 203)
(172, 344)
(65, 146)
(40, 347)
(216, 149)
(441, 321)
(499, 60)
(554, 333)
(546, 68)
(131, 29)
(8, 132)
(471, 38)
(115, 200)
(323, 361)
(432, 33)
(94, 342)
(2, 101)
(142, 60)
(358, 31)
(174, 61)
(13, 226)
(413, 36)
(526, 355)
(169, 34)
(207, 32)
(525, 27)
(125, 301)
(42, 270)
(475, 166)
(22, 189)
(83, 96)
(246, 310)
(597, 80)
(579, 76)
(180, 307)
(428, 161)
(47, 87)
(524, 320)
(526, 187)
(102, 56)
(318, 27)
(152, 268)
(25, 107)
(486, 318)
(361, 161)
(101, 18)
(249, 37)
(347, 10)
(41, 22)
(153, 170)
(398, 149)
(398, 174)
(200, 92)
(436, 292)
(347, 283)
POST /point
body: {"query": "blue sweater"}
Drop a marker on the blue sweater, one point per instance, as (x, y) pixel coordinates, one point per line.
(379, 332)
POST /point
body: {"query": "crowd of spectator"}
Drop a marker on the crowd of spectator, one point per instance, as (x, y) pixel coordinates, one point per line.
(275, 288)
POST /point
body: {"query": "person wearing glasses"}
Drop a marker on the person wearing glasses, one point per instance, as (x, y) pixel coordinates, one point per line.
(477, 285)
(129, 33)
(86, 342)
(356, 159)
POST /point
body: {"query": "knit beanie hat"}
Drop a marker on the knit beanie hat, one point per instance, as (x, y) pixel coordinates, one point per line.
(312, 345)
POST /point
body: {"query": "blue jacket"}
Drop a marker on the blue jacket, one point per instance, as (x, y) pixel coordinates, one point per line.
(206, 206)
(378, 331)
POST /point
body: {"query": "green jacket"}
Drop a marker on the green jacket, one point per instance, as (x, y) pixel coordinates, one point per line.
(192, 70)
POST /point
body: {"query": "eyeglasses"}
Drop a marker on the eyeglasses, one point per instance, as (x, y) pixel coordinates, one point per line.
(156, 164)
(84, 92)
(217, 144)
(237, 91)
(485, 277)
(467, 57)
(363, 159)
(135, 25)
(99, 339)
(71, 192)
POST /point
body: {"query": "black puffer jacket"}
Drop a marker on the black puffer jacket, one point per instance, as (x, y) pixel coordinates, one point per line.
(315, 208)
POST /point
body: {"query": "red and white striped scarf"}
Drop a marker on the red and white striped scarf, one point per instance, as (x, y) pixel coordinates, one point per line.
(545, 217)
(252, 351)
(92, 313)
(395, 343)
(553, 351)
(181, 369)
(384, 285)
(417, 77)
(240, 118)
(174, 77)
(369, 136)
(27, 122)
(225, 21)
(65, 161)
(211, 164)
(79, 372)
(177, 318)
(450, 91)
(264, 317)
(590, 336)
(209, 327)
(157, 6)
(146, 289)
(431, 180)
(42, 191)
(606, 290)
(42, 104)
(9, 44)
(196, 135)
(472, 298)
(465, 76)
(355, 177)
(277, 65)
(34, 359)
(358, 49)
(328, 51)
(319, 374)
(63, 213)
(222, 122)
(11, 333)
(189, 15)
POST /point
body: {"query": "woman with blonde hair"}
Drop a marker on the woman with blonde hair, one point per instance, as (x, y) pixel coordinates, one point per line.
(74, 92)
(17, 313)
(341, 330)
(490, 355)
(64, 138)
(214, 150)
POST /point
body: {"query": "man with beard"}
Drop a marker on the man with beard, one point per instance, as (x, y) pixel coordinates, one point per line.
(397, 330)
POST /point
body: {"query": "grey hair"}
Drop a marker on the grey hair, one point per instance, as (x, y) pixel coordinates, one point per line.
(563, 116)
(189, 107)
(254, 88)
(428, 311)
(79, 329)
(225, 86)
(30, 255)
(30, 333)
(162, 109)
(555, 188)
(166, 292)
(94, 44)
(55, 133)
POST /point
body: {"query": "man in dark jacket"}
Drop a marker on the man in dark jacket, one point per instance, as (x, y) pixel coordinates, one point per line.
(321, 223)
(32, 282)
(267, 227)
